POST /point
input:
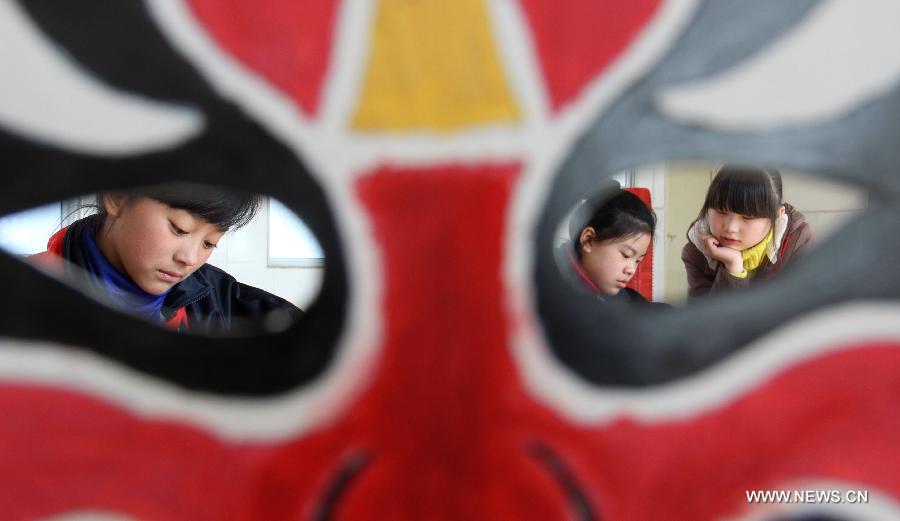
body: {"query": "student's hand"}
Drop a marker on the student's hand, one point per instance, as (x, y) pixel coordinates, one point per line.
(730, 257)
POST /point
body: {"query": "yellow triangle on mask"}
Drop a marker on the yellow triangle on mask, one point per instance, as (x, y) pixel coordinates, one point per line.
(433, 66)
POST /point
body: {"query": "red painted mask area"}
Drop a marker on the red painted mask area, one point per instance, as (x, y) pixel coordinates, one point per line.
(565, 39)
(286, 42)
(445, 376)
(93, 456)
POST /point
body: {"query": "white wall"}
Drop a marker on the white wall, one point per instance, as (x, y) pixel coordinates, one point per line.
(244, 254)
(826, 205)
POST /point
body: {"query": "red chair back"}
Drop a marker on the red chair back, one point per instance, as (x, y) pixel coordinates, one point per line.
(643, 279)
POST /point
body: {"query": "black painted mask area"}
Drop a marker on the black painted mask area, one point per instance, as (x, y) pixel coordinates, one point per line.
(620, 346)
(233, 150)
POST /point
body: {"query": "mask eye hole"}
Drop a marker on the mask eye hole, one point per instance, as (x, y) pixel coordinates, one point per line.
(596, 310)
(190, 265)
(172, 254)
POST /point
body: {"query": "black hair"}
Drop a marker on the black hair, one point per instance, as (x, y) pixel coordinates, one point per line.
(745, 190)
(613, 213)
(226, 209)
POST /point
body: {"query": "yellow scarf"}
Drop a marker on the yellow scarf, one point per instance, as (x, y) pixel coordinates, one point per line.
(754, 255)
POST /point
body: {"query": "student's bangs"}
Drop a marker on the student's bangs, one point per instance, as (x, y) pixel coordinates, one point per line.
(226, 209)
(750, 192)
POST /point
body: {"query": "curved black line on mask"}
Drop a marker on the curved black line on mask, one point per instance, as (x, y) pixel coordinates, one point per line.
(810, 517)
(573, 491)
(337, 486)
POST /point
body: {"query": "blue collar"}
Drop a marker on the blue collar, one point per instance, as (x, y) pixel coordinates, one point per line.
(117, 286)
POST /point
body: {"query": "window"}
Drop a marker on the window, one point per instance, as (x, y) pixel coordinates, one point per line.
(26, 233)
(291, 242)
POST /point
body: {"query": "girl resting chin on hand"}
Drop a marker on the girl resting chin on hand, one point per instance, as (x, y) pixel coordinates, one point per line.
(744, 233)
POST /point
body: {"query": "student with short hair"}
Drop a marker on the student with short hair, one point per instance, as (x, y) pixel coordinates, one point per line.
(744, 233)
(610, 235)
(146, 250)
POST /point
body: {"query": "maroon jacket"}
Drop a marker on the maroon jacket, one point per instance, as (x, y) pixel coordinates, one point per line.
(704, 279)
